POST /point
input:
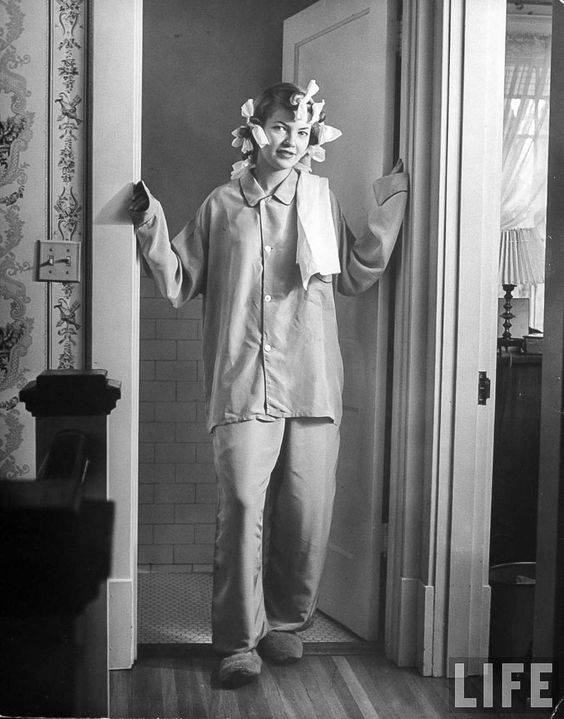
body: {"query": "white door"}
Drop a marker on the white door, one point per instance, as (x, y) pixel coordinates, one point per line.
(349, 49)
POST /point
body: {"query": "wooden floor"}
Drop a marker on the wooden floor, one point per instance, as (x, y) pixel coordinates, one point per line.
(336, 686)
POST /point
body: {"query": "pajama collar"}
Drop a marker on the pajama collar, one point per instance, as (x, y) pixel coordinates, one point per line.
(317, 251)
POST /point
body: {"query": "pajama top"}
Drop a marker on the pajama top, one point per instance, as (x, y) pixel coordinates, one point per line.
(270, 347)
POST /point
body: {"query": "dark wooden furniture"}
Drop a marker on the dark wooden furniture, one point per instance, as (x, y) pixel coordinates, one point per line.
(55, 548)
(516, 458)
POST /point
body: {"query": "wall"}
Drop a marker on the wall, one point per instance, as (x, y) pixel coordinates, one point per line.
(42, 155)
(202, 60)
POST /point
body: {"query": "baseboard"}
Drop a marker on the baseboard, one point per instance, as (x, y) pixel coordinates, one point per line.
(121, 630)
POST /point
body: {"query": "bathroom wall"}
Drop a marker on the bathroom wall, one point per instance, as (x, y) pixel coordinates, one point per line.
(202, 60)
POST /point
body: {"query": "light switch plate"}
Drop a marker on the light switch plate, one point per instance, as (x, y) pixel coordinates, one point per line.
(58, 261)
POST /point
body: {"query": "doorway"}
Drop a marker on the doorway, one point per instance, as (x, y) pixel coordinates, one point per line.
(520, 329)
(424, 439)
(184, 157)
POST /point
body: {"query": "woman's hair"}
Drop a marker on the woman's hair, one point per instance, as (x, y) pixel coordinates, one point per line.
(279, 97)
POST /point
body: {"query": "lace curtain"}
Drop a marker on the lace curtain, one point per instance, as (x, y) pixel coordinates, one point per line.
(525, 153)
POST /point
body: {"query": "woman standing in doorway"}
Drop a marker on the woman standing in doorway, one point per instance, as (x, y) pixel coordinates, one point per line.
(267, 251)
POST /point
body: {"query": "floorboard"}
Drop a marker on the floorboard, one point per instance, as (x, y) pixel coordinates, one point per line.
(320, 686)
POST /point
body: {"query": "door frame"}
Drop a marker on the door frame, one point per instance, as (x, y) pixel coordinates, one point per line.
(437, 352)
(116, 44)
(548, 632)
(438, 594)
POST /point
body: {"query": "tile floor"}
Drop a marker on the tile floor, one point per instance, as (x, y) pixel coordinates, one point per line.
(175, 609)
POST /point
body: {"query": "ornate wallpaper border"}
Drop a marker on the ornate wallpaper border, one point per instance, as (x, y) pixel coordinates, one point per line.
(63, 142)
(16, 130)
(67, 186)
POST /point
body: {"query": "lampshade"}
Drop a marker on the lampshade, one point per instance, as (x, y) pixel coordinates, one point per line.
(521, 257)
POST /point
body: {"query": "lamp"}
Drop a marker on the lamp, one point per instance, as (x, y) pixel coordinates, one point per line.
(521, 262)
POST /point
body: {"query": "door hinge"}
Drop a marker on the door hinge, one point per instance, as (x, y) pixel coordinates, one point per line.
(484, 387)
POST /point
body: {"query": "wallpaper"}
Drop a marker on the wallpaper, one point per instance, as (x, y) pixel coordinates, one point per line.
(42, 155)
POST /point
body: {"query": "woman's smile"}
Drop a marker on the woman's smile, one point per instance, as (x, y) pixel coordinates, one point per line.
(288, 142)
(283, 152)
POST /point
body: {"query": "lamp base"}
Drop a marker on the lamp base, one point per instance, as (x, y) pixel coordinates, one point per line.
(506, 340)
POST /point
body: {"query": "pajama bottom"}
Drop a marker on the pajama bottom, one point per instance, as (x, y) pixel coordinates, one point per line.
(265, 580)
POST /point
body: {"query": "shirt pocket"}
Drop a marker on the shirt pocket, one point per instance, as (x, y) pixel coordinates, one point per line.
(320, 291)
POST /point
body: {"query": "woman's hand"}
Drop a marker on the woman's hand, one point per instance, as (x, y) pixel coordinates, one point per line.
(140, 199)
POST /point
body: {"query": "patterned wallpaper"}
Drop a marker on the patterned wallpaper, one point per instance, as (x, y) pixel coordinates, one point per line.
(66, 190)
(42, 180)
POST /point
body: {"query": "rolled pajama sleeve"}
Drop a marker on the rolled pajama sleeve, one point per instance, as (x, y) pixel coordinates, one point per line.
(178, 267)
(364, 259)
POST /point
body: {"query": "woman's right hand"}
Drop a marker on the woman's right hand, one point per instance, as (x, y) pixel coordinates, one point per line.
(140, 199)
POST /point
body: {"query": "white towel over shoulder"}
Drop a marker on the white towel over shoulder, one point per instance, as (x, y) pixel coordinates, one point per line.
(317, 251)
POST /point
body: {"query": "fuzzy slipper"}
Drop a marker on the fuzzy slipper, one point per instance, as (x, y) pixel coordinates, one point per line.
(238, 669)
(281, 647)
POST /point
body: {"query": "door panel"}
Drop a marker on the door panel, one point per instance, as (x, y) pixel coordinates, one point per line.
(349, 48)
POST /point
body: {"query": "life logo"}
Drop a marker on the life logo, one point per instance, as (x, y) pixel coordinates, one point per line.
(502, 685)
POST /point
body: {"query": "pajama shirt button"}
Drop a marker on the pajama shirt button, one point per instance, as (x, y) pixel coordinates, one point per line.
(267, 348)
(267, 298)
(268, 248)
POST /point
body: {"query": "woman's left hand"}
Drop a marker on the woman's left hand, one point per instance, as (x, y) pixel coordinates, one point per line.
(140, 199)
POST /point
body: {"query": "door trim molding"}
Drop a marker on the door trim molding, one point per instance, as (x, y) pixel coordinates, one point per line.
(122, 631)
(414, 381)
(115, 161)
(442, 443)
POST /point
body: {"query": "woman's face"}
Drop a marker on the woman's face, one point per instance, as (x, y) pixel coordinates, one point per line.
(288, 138)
